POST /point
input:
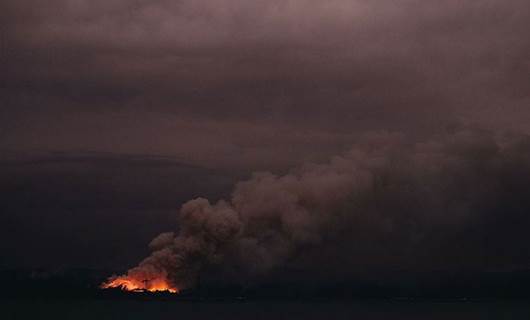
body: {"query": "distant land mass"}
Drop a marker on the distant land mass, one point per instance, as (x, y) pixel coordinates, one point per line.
(82, 283)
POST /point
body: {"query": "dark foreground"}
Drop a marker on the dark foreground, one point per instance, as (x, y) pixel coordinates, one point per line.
(363, 310)
(74, 294)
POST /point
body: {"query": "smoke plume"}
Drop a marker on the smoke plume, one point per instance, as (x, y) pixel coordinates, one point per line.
(459, 200)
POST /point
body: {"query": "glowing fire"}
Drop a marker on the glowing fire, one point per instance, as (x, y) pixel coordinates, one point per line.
(130, 284)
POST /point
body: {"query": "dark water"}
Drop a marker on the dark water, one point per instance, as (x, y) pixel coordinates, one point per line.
(100, 309)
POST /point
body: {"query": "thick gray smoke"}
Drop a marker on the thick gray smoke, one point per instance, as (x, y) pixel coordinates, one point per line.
(457, 201)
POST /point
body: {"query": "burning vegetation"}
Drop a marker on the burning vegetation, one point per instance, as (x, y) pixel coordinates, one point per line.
(128, 283)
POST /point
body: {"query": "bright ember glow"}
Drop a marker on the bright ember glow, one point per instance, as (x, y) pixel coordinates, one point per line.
(130, 284)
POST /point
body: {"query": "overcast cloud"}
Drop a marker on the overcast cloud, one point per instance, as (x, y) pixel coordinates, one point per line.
(227, 87)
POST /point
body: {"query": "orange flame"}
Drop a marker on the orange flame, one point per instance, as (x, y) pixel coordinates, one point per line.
(130, 284)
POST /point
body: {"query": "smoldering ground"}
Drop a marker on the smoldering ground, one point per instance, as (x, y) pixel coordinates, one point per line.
(456, 202)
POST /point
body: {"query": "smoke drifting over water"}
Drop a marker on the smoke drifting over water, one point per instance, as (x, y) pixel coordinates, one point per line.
(460, 200)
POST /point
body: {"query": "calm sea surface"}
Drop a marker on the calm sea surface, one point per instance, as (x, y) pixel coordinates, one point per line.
(377, 310)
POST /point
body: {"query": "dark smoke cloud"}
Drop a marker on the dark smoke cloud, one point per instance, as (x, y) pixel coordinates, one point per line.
(459, 201)
(234, 86)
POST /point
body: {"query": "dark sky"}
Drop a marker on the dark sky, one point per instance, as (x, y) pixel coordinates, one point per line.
(113, 113)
